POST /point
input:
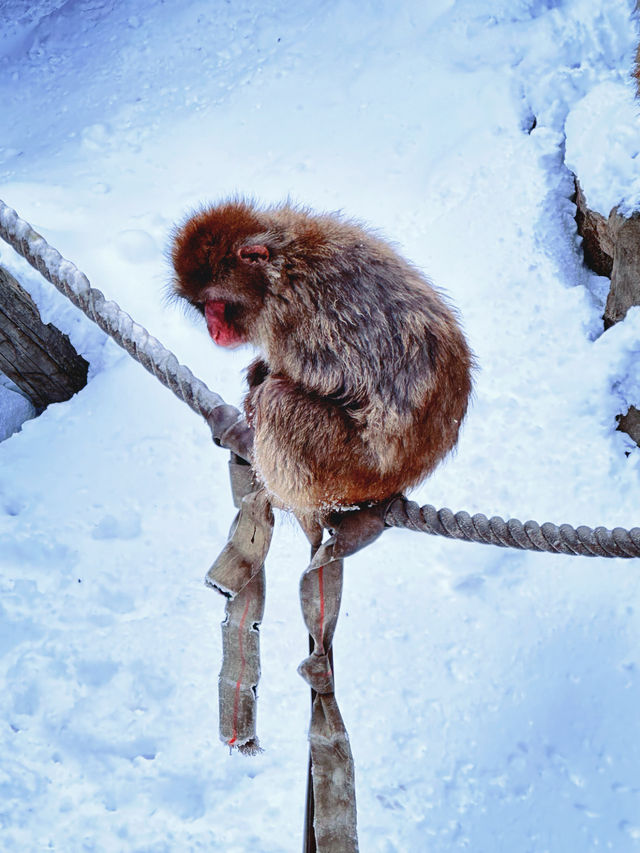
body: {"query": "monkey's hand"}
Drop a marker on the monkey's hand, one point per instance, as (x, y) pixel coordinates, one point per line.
(257, 372)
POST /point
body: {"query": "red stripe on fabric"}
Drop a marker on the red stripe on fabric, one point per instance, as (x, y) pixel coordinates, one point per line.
(321, 594)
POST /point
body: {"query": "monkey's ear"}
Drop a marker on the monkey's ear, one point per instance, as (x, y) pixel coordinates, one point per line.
(253, 254)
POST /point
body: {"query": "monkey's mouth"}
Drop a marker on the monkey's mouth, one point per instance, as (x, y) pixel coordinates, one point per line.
(222, 318)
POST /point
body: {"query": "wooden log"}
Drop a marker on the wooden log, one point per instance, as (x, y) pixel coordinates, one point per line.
(612, 248)
(625, 273)
(597, 244)
(630, 423)
(39, 358)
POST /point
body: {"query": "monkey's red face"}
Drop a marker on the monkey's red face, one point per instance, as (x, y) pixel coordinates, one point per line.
(222, 323)
(221, 271)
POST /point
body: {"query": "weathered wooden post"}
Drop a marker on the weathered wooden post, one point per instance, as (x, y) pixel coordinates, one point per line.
(39, 358)
(612, 248)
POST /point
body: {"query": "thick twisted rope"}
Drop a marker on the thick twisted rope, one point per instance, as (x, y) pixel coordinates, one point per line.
(530, 536)
(230, 431)
(225, 421)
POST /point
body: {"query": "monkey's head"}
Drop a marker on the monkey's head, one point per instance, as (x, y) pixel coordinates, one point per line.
(222, 264)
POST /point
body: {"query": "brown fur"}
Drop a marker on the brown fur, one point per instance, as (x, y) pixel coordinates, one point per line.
(365, 374)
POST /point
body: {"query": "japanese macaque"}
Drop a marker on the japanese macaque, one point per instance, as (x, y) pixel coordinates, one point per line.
(364, 373)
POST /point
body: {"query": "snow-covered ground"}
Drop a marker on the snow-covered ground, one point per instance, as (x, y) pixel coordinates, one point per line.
(491, 696)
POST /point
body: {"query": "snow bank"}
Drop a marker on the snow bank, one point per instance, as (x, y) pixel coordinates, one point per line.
(15, 409)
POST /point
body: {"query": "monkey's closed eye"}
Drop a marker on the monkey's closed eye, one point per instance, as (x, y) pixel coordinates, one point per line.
(254, 254)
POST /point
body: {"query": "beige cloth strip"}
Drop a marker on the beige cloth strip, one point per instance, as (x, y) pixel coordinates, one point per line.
(238, 573)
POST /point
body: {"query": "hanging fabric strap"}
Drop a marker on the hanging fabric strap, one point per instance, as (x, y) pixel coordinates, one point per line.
(238, 573)
(331, 759)
(332, 770)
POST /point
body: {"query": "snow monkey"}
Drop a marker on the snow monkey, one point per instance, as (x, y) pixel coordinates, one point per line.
(364, 373)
